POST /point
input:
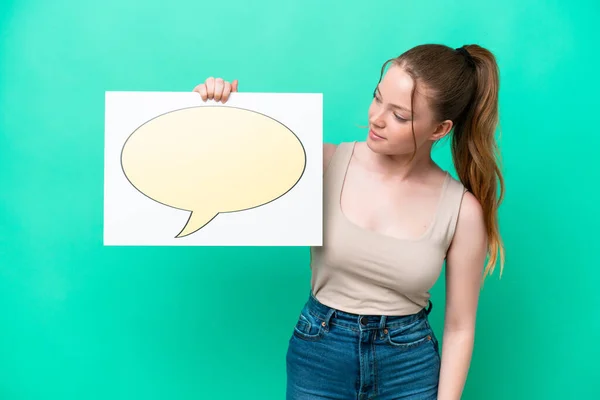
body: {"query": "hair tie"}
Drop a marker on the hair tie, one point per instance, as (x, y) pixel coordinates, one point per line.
(465, 53)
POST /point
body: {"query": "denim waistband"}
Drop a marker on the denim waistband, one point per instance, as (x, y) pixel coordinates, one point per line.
(359, 321)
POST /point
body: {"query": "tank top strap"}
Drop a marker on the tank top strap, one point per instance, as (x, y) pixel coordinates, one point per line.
(446, 219)
(338, 166)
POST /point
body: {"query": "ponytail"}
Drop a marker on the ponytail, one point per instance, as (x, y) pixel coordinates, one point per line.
(464, 85)
(474, 150)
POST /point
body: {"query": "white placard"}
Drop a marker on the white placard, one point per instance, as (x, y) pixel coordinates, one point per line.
(179, 171)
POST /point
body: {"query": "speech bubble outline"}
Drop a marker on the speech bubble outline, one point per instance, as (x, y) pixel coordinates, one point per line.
(200, 220)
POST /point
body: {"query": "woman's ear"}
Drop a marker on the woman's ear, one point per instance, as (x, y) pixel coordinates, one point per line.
(441, 130)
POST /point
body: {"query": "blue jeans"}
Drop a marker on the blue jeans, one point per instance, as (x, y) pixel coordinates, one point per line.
(337, 355)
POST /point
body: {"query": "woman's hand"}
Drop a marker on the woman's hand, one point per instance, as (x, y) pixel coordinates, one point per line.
(217, 89)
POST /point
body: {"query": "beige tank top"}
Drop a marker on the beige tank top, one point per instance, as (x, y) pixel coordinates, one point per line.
(364, 272)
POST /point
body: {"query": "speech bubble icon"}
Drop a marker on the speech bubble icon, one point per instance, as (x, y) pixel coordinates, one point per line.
(213, 159)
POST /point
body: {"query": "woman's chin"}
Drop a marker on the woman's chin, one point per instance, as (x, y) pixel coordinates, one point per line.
(376, 145)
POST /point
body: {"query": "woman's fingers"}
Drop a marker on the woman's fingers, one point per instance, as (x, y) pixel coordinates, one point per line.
(219, 86)
(201, 88)
(210, 87)
(217, 89)
(226, 92)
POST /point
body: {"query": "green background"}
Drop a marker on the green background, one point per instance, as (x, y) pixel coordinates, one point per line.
(83, 321)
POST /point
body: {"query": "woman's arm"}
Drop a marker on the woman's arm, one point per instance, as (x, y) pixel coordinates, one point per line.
(464, 263)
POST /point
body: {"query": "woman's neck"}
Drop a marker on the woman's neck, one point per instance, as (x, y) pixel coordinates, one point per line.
(397, 167)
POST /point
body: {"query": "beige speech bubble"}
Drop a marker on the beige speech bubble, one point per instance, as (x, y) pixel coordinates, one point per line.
(213, 159)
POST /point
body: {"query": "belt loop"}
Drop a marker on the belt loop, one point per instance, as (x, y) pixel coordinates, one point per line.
(382, 322)
(328, 316)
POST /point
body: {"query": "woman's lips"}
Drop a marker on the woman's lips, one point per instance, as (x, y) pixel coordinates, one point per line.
(375, 136)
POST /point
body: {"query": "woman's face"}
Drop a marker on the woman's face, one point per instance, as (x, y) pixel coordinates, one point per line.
(390, 119)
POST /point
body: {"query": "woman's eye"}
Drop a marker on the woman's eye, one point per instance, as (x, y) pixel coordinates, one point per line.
(399, 118)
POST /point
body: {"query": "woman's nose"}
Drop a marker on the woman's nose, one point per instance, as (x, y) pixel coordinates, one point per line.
(377, 120)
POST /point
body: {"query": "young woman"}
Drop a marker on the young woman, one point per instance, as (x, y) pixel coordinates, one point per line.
(391, 218)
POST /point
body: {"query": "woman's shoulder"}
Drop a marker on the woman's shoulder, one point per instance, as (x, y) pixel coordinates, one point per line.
(329, 149)
(470, 214)
(328, 152)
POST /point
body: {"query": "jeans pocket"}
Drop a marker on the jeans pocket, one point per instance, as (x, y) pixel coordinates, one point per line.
(308, 327)
(410, 335)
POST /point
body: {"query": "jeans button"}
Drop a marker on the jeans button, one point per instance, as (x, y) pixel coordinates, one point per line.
(363, 321)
